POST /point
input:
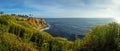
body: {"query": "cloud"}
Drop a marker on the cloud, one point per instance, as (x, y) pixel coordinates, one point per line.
(69, 8)
(75, 8)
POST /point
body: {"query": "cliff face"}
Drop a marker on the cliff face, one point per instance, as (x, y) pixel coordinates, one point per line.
(37, 23)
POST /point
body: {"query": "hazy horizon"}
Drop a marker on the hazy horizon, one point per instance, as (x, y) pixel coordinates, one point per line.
(75, 17)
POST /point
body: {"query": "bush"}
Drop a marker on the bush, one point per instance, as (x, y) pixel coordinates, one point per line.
(102, 38)
(10, 42)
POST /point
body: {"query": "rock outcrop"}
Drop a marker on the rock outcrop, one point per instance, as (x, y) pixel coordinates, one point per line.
(37, 23)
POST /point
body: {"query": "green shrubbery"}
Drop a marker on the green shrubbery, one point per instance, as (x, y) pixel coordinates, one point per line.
(102, 38)
(38, 40)
(18, 35)
(10, 42)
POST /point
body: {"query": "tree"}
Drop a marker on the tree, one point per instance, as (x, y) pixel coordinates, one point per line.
(26, 16)
(13, 14)
(30, 15)
(1, 12)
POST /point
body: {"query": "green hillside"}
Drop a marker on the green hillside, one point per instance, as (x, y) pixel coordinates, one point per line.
(102, 38)
(21, 34)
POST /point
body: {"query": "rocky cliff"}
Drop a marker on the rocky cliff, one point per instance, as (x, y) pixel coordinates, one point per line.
(37, 23)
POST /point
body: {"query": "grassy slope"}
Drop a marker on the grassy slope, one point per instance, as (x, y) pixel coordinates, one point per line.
(102, 38)
(10, 42)
(25, 34)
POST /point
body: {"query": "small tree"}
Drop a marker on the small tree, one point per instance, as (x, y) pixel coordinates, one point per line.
(26, 16)
(30, 15)
(13, 14)
(1, 12)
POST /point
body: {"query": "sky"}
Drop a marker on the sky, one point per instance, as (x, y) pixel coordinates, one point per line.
(63, 8)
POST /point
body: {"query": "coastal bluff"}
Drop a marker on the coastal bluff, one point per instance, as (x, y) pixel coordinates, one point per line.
(37, 23)
(19, 33)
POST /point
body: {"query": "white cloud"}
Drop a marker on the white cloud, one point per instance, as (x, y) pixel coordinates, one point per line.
(76, 8)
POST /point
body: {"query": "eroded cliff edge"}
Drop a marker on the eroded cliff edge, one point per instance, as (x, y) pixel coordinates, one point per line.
(37, 23)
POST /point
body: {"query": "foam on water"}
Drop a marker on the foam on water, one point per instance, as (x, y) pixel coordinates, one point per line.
(46, 28)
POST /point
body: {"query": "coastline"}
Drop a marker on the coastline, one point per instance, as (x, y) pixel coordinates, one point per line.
(45, 28)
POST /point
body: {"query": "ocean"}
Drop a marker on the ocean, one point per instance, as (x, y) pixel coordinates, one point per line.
(69, 27)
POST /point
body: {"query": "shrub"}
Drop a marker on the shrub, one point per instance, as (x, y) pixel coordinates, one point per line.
(102, 38)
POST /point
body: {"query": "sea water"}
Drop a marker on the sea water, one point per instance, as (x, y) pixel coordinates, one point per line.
(69, 27)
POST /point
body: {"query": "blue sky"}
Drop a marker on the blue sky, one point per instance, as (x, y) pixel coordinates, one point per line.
(63, 8)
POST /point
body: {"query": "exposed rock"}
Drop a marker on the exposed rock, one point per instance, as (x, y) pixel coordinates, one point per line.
(38, 23)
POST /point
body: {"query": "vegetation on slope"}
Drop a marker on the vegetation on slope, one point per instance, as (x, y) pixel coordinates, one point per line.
(10, 42)
(22, 35)
(102, 38)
